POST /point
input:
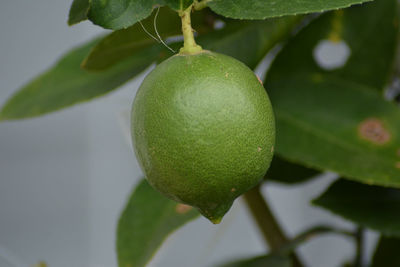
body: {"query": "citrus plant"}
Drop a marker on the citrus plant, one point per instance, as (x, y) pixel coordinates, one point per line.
(204, 125)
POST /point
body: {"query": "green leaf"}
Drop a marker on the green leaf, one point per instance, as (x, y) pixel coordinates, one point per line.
(249, 41)
(66, 83)
(148, 219)
(387, 253)
(262, 261)
(369, 206)
(262, 9)
(337, 120)
(123, 43)
(116, 14)
(78, 12)
(283, 171)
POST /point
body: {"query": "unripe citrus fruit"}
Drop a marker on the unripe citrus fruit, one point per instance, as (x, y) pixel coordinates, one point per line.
(203, 130)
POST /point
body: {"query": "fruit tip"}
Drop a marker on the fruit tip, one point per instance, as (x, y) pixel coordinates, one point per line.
(216, 220)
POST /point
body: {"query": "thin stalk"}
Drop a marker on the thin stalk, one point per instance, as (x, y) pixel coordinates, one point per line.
(272, 232)
(189, 44)
(200, 5)
(359, 238)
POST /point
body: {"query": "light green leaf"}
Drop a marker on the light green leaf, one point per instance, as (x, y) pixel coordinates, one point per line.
(262, 9)
(369, 206)
(283, 171)
(148, 219)
(337, 120)
(78, 12)
(262, 261)
(387, 253)
(66, 84)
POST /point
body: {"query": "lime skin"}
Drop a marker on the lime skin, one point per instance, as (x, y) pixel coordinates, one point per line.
(203, 130)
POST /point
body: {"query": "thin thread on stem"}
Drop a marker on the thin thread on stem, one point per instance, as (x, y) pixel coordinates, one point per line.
(158, 39)
(158, 35)
(148, 33)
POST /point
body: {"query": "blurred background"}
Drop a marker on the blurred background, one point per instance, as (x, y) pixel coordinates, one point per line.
(65, 177)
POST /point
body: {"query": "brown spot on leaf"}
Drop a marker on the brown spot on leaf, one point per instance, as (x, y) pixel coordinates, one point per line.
(398, 152)
(259, 149)
(398, 165)
(226, 75)
(182, 208)
(372, 129)
(233, 190)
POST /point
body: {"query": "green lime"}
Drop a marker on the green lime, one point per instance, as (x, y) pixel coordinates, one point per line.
(203, 130)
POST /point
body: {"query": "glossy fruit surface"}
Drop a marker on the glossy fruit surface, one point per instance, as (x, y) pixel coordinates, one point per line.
(203, 130)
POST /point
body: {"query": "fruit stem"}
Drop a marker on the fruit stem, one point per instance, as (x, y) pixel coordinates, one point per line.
(189, 44)
(272, 232)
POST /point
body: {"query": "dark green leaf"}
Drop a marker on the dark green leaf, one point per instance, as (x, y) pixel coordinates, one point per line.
(262, 9)
(387, 253)
(283, 171)
(78, 12)
(123, 43)
(179, 5)
(66, 83)
(369, 206)
(262, 261)
(249, 41)
(336, 120)
(116, 14)
(148, 219)
(373, 51)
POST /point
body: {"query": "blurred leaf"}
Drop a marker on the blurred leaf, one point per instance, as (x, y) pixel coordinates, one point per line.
(66, 83)
(116, 14)
(283, 171)
(337, 120)
(387, 253)
(249, 41)
(372, 51)
(262, 261)
(309, 234)
(369, 206)
(261, 9)
(78, 12)
(122, 43)
(148, 219)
